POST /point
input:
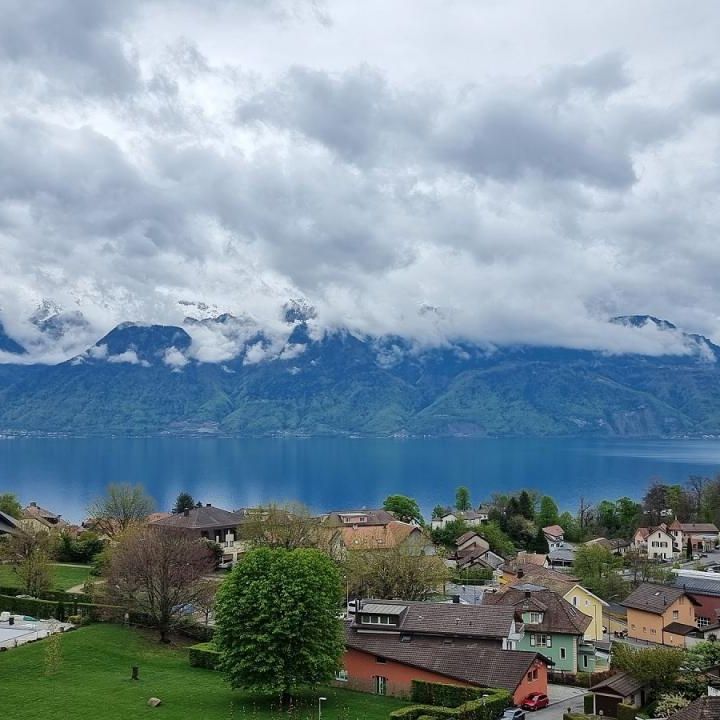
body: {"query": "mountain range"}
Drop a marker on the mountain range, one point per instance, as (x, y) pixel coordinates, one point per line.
(240, 379)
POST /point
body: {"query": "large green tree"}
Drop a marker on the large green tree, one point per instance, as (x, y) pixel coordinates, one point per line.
(183, 502)
(404, 508)
(277, 624)
(549, 513)
(597, 569)
(10, 505)
(462, 499)
(657, 666)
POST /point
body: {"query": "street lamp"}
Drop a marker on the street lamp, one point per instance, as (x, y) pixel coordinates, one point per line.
(321, 700)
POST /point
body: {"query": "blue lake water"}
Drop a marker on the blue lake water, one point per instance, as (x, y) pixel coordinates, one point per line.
(329, 473)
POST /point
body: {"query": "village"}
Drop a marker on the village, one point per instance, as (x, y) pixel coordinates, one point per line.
(424, 605)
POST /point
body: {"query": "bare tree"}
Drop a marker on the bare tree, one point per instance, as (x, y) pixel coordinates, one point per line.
(288, 526)
(158, 572)
(29, 555)
(123, 506)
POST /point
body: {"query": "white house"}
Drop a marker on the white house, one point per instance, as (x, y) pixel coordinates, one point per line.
(473, 518)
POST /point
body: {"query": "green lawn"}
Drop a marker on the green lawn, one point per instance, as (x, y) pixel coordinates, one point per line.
(92, 682)
(64, 576)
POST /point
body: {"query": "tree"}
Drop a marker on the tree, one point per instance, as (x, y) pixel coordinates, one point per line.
(277, 622)
(29, 555)
(541, 544)
(438, 512)
(548, 514)
(644, 569)
(656, 666)
(596, 567)
(526, 506)
(158, 572)
(670, 703)
(689, 549)
(462, 499)
(123, 506)
(399, 572)
(183, 502)
(10, 505)
(404, 508)
(703, 655)
(287, 526)
(499, 542)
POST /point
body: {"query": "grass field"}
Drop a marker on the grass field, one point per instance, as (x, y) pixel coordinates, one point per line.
(64, 576)
(92, 682)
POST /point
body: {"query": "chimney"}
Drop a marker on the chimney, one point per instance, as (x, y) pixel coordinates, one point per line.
(528, 594)
(456, 599)
(186, 513)
(520, 573)
(33, 504)
(208, 505)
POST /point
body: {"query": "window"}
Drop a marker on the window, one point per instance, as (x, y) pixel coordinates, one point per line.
(563, 653)
(380, 685)
(585, 661)
(702, 622)
(676, 615)
(342, 676)
(535, 618)
(380, 660)
(377, 620)
(574, 600)
(532, 675)
(540, 640)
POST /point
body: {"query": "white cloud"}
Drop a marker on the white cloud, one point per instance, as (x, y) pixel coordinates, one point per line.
(175, 359)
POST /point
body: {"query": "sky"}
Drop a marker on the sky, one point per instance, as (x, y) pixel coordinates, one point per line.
(499, 171)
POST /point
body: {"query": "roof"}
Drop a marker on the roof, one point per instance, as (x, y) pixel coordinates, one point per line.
(33, 509)
(426, 618)
(468, 536)
(534, 558)
(699, 586)
(560, 616)
(200, 518)
(546, 577)
(562, 553)
(377, 536)
(653, 598)
(678, 628)
(554, 530)
(154, 517)
(372, 517)
(704, 708)
(643, 532)
(462, 660)
(698, 528)
(622, 684)
(602, 542)
(383, 608)
(8, 524)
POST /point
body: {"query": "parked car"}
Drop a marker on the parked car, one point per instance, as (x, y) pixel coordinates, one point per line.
(535, 701)
(513, 714)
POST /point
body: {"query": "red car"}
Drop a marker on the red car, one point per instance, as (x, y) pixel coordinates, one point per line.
(535, 701)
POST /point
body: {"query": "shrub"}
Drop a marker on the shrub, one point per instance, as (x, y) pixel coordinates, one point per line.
(41, 609)
(452, 696)
(482, 708)
(205, 655)
(589, 704)
(626, 712)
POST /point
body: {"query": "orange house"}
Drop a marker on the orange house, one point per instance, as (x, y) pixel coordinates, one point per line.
(660, 614)
(384, 664)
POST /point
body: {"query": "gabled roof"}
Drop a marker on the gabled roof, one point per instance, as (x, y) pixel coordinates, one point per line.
(34, 510)
(558, 582)
(553, 530)
(534, 558)
(560, 616)
(642, 532)
(462, 660)
(344, 518)
(622, 685)
(654, 598)
(468, 536)
(443, 619)
(373, 537)
(704, 708)
(206, 517)
(695, 527)
(678, 628)
(8, 524)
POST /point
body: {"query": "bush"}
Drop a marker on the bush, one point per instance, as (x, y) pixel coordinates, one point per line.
(41, 609)
(481, 708)
(452, 696)
(626, 712)
(589, 704)
(204, 655)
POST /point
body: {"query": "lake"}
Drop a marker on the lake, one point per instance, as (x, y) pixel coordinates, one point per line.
(334, 473)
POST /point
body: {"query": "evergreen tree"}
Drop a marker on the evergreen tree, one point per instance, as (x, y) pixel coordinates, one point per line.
(183, 502)
(549, 513)
(462, 499)
(525, 506)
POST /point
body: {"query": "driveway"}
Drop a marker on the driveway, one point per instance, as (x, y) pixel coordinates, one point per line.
(561, 697)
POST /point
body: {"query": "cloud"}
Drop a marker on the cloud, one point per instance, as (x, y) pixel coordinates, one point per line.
(442, 172)
(128, 356)
(175, 359)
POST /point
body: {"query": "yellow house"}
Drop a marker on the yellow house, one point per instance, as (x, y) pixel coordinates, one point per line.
(566, 585)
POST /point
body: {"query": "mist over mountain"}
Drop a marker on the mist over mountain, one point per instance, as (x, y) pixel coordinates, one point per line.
(228, 375)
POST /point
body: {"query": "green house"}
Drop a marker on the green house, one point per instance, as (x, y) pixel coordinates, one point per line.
(552, 626)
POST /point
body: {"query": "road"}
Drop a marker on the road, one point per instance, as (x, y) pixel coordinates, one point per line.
(561, 697)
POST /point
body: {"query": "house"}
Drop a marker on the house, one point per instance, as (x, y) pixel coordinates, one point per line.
(639, 540)
(391, 643)
(211, 523)
(701, 536)
(9, 525)
(704, 708)
(473, 552)
(471, 540)
(552, 626)
(554, 535)
(621, 688)
(704, 588)
(562, 555)
(382, 537)
(34, 510)
(524, 557)
(365, 518)
(473, 518)
(568, 587)
(660, 613)
(660, 545)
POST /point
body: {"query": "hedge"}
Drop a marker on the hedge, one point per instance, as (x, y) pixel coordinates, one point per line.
(626, 712)
(204, 655)
(51, 595)
(452, 696)
(589, 704)
(479, 709)
(34, 608)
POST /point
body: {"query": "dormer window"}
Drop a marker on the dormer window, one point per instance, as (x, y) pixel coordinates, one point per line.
(378, 620)
(533, 618)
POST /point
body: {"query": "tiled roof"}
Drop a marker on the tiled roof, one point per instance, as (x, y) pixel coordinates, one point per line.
(621, 684)
(425, 618)
(461, 660)
(201, 518)
(678, 628)
(560, 616)
(377, 536)
(699, 586)
(546, 577)
(653, 598)
(554, 530)
(8, 524)
(704, 708)
(468, 536)
(696, 528)
(534, 558)
(37, 511)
